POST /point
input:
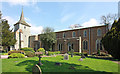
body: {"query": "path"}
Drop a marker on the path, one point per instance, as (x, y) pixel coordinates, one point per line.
(3, 56)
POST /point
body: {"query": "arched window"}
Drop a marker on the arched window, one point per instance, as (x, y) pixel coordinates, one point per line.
(63, 35)
(85, 45)
(99, 33)
(85, 33)
(73, 34)
(98, 45)
(59, 47)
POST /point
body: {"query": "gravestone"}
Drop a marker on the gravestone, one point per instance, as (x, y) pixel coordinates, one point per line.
(36, 70)
(66, 56)
(58, 64)
(80, 59)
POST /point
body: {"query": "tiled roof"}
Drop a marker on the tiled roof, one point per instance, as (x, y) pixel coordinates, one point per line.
(22, 21)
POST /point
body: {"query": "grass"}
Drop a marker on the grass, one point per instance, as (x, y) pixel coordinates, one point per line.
(3, 53)
(87, 65)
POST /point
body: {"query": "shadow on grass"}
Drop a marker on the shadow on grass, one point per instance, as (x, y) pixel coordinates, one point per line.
(104, 58)
(49, 66)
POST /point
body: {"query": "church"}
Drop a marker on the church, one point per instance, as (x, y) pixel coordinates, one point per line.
(87, 39)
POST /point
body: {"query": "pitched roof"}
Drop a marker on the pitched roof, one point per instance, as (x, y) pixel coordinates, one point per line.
(22, 21)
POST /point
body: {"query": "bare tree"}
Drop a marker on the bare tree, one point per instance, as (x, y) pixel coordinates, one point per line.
(108, 19)
(75, 26)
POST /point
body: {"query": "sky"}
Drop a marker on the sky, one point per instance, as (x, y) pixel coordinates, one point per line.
(58, 15)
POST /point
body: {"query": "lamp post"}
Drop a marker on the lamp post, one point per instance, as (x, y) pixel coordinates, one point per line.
(39, 56)
(40, 60)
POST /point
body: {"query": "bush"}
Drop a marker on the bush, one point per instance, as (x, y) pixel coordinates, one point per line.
(98, 52)
(27, 49)
(52, 53)
(14, 51)
(77, 53)
(86, 54)
(29, 54)
(41, 50)
(16, 55)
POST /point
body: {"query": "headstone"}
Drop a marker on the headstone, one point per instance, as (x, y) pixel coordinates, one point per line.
(80, 59)
(46, 52)
(36, 70)
(66, 56)
(59, 64)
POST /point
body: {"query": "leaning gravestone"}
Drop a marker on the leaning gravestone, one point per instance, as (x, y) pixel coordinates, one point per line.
(80, 59)
(66, 56)
(36, 70)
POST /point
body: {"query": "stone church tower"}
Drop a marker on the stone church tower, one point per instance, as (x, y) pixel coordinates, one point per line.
(22, 33)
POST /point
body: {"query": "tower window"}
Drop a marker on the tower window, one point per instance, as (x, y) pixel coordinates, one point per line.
(24, 27)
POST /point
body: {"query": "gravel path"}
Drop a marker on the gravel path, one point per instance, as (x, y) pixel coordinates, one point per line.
(3, 56)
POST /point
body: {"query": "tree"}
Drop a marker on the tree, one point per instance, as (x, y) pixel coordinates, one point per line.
(7, 35)
(108, 19)
(111, 40)
(48, 38)
(75, 26)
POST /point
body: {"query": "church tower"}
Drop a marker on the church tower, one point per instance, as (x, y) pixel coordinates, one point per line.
(22, 33)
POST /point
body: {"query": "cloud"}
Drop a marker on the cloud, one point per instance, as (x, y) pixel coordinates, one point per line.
(21, 2)
(67, 17)
(36, 29)
(36, 9)
(90, 23)
(11, 21)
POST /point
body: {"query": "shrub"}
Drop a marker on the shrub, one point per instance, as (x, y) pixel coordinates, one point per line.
(14, 51)
(29, 54)
(27, 49)
(52, 53)
(41, 50)
(16, 55)
(98, 52)
(86, 54)
(77, 53)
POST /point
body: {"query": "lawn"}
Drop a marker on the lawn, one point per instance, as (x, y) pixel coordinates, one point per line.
(87, 65)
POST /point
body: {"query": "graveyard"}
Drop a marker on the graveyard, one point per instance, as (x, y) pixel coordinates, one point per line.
(58, 63)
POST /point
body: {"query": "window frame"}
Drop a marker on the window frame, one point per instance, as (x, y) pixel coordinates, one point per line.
(73, 34)
(99, 32)
(85, 44)
(85, 33)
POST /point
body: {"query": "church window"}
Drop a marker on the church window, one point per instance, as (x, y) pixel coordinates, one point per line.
(98, 45)
(73, 34)
(59, 47)
(85, 45)
(99, 32)
(85, 33)
(63, 35)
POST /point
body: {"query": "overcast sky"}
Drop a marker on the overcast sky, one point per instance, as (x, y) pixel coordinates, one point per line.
(58, 15)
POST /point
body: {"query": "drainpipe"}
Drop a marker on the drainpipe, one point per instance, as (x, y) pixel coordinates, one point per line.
(89, 41)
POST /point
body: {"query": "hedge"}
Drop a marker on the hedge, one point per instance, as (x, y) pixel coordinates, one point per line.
(27, 49)
(16, 55)
(52, 53)
(14, 51)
